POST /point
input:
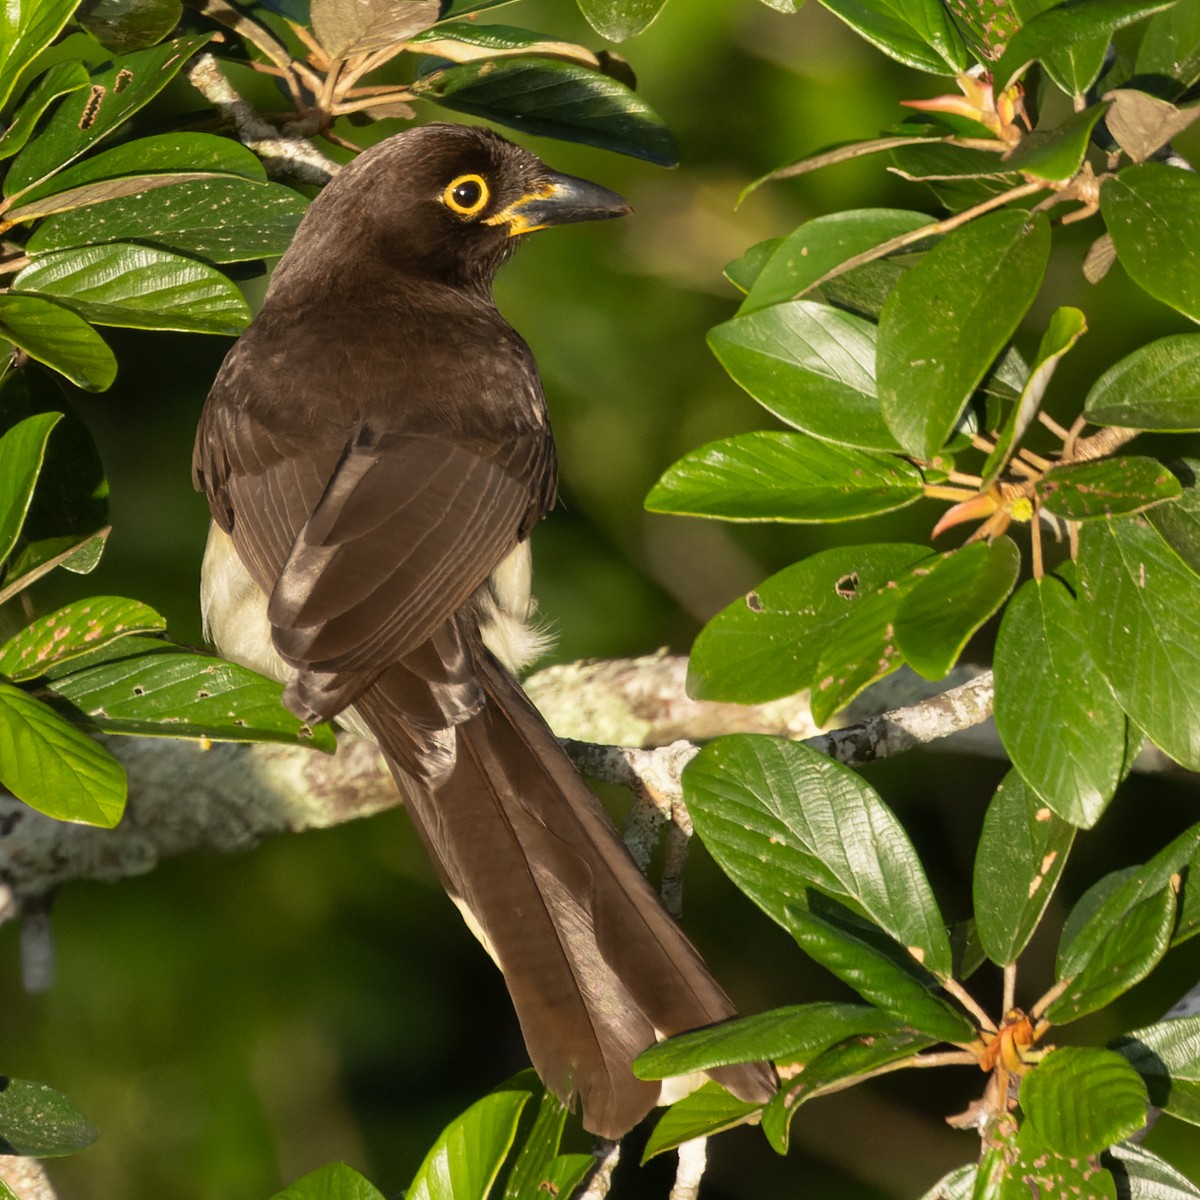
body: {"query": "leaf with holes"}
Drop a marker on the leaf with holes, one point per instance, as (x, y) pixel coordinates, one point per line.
(155, 689)
(768, 643)
(54, 767)
(87, 116)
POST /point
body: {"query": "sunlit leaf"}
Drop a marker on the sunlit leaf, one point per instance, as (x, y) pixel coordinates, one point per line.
(58, 337)
(53, 766)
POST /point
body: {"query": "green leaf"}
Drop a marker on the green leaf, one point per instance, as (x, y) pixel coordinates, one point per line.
(918, 33)
(1021, 854)
(1179, 523)
(334, 1181)
(223, 219)
(1167, 1057)
(1153, 216)
(54, 767)
(820, 245)
(954, 1185)
(947, 320)
(780, 819)
(743, 271)
(1139, 605)
(58, 337)
(539, 1169)
(1066, 327)
(795, 1035)
(73, 631)
(139, 287)
(466, 1158)
(960, 591)
(1032, 1168)
(849, 1060)
(863, 647)
(22, 452)
(346, 28)
(1155, 387)
(38, 1122)
(551, 98)
(1081, 1100)
(811, 365)
(161, 154)
(1104, 906)
(85, 117)
(1144, 1176)
(1056, 154)
(880, 970)
(1076, 27)
(1055, 712)
(124, 25)
(60, 80)
(27, 27)
(708, 1110)
(151, 688)
(1125, 955)
(773, 476)
(464, 41)
(78, 555)
(1170, 46)
(619, 20)
(768, 643)
(1110, 487)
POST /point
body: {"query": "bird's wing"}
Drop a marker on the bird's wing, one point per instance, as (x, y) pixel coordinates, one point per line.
(406, 530)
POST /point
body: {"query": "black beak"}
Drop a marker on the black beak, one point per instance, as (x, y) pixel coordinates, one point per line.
(560, 200)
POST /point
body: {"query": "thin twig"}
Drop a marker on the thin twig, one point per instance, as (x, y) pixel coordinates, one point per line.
(969, 1002)
(607, 1155)
(1010, 987)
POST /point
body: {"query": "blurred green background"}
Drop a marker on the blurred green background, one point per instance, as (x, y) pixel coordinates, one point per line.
(230, 1023)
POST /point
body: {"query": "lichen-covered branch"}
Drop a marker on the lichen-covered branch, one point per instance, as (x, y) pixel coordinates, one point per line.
(184, 798)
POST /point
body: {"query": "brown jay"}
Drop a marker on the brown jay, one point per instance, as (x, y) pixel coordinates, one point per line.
(375, 452)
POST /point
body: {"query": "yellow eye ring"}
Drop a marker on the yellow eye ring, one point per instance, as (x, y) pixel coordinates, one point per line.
(466, 195)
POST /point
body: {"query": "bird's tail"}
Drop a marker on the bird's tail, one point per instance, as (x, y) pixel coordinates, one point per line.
(596, 967)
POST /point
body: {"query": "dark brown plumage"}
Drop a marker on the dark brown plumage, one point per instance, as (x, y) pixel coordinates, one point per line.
(375, 451)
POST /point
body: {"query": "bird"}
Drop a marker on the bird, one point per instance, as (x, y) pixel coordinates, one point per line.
(375, 451)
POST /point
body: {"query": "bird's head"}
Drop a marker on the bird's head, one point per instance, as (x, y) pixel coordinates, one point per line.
(446, 202)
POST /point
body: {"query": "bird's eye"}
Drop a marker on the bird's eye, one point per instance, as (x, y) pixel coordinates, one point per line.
(466, 195)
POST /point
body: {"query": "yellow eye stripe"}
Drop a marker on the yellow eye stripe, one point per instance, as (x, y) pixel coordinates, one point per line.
(466, 195)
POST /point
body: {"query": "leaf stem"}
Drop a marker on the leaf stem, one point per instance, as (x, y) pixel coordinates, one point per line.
(969, 1002)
